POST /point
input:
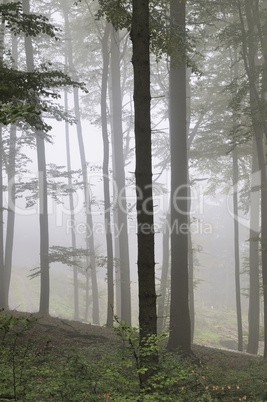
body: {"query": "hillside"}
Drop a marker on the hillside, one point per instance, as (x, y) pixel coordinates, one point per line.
(63, 360)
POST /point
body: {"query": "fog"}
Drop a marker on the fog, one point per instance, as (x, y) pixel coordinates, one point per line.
(212, 118)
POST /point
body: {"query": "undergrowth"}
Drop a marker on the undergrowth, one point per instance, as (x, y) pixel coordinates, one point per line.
(36, 371)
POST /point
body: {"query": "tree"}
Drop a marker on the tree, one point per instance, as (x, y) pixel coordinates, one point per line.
(140, 35)
(249, 53)
(254, 280)
(107, 206)
(91, 267)
(43, 206)
(180, 332)
(119, 175)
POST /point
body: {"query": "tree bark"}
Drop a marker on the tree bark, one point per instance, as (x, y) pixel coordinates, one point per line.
(11, 208)
(72, 216)
(236, 250)
(119, 173)
(143, 173)
(180, 335)
(107, 206)
(90, 267)
(164, 273)
(260, 131)
(43, 212)
(3, 290)
(254, 282)
(11, 172)
(70, 185)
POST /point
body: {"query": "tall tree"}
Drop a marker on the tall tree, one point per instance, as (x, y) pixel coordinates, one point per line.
(43, 207)
(119, 175)
(11, 188)
(72, 215)
(236, 249)
(180, 332)
(140, 35)
(91, 267)
(164, 273)
(254, 281)
(107, 205)
(249, 17)
(3, 290)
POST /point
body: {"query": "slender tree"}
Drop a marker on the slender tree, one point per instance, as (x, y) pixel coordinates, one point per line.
(140, 35)
(164, 273)
(3, 298)
(11, 171)
(107, 206)
(254, 281)
(43, 210)
(119, 175)
(236, 249)
(91, 266)
(180, 334)
(257, 101)
(72, 216)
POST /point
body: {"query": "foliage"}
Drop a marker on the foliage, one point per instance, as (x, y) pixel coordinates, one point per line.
(164, 39)
(12, 112)
(29, 24)
(24, 95)
(34, 369)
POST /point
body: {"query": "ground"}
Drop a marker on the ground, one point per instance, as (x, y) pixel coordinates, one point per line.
(62, 333)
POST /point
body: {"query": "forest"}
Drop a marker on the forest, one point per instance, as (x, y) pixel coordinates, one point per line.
(133, 200)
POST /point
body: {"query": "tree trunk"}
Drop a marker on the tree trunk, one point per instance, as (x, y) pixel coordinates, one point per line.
(260, 131)
(43, 219)
(191, 285)
(254, 283)
(43, 212)
(11, 172)
(11, 208)
(3, 290)
(71, 200)
(236, 250)
(119, 174)
(107, 206)
(3, 294)
(90, 268)
(164, 274)
(180, 335)
(72, 216)
(143, 173)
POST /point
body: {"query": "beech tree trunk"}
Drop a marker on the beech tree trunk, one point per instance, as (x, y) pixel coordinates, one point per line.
(164, 274)
(42, 180)
(257, 100)
(119, 175)
(90, 266)
(71, 200)
(3, 295)
(11, 189)
(180, 331)
(72, 216)
(107, 206)
(143, 174)
(11, 208)
(236, 251)
(254, 282)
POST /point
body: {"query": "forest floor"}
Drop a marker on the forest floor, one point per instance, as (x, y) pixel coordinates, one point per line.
(63, 333)
(50, 358)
